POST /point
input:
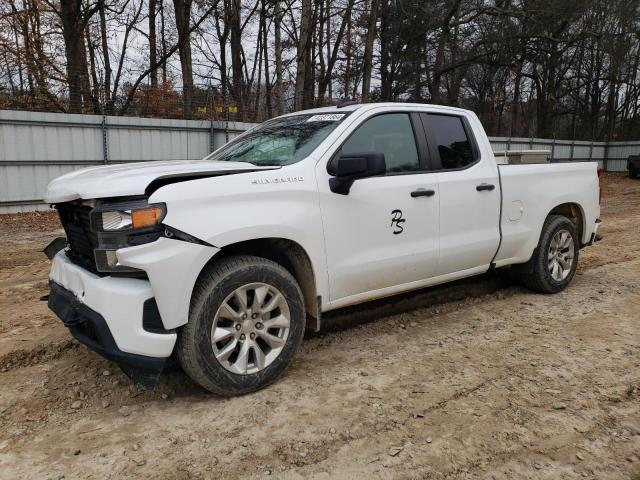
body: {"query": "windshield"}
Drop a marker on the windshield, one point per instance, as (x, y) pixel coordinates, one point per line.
(281, 141)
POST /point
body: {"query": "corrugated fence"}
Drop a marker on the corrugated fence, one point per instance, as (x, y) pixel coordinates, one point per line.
(612, 156)
(36, 147)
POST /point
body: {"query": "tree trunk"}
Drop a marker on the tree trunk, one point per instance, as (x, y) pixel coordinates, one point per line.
(348, 55)
(163, 41)
(222, 41)
(333, 55)
(277, 25)
(73, 24)
(153, 52)
(183, 21)
(385, 55)
(106, 87)
(22, 19)
(367, 66)
(265, 48)
(18, 55)
(303, 55)
(310, 71)
(321, 41)
(38, 56)
(237, 63)
(330, 86)
(95, 91)
(515, 112)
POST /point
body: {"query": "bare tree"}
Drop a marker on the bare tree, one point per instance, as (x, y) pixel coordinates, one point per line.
(303, 56)
(183, 22)
(75, 16)
(367, 67)
(153, 46)
(563, 68)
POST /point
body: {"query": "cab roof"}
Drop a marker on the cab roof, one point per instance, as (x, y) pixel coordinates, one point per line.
(368, 106)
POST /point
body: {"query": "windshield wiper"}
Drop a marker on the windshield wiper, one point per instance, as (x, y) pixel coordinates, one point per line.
(269, 163)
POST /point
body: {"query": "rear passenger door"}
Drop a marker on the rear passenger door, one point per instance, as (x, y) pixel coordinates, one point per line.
(469, 195)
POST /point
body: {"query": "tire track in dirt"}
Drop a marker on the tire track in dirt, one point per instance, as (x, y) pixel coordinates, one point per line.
(34, 356)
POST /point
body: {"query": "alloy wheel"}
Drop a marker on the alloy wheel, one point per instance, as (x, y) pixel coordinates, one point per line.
(561, 255)
(250, 328)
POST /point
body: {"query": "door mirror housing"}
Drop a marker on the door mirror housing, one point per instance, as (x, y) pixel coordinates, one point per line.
(347, 168)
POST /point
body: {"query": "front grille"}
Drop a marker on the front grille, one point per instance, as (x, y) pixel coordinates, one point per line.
(76, 222)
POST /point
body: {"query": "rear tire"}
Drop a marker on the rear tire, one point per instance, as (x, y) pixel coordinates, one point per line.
(633, 172)
(250, 306)
(555, 260)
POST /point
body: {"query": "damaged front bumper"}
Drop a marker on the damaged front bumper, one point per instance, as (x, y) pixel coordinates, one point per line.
(90, 328)
(116, 317)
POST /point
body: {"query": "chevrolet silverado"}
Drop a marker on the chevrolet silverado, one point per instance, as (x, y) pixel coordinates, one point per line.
(226, 261)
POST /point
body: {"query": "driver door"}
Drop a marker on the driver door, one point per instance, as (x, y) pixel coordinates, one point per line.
(382, 236)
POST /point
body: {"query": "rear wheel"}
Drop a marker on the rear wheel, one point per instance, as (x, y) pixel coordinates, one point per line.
(246, 322)
(555, 260)
(633, 171)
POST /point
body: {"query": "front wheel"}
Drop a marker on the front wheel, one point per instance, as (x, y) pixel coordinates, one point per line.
(555, 260)
(633, 172)
(246, 321)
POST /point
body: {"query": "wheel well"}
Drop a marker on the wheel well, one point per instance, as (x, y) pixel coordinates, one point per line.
(574, 213)
(291, 256)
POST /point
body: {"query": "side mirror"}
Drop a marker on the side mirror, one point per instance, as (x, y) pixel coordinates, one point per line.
(347, 168)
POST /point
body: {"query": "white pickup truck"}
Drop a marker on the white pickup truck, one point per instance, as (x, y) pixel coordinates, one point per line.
(226, 261)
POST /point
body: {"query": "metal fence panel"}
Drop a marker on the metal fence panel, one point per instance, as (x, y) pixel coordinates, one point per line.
(561, 149)
(617, 153)
(36, 147)
(35, 136)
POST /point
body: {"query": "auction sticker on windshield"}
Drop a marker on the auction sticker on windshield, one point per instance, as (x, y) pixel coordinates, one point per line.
(326, 117)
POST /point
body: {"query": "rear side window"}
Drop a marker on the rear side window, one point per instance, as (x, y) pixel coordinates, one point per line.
(450, 138)
(391, 134)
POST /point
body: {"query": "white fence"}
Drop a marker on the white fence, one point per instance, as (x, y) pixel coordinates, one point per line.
(36, 147)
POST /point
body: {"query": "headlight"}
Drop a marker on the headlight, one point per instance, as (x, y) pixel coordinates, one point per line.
(121, 225)
(115, 221)
(124, 218)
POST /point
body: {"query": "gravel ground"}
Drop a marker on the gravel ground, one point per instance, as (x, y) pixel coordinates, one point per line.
(478, 380)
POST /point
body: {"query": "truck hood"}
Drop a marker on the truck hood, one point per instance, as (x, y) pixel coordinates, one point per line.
(134, 178)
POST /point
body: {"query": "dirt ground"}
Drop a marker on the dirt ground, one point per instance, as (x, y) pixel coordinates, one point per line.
(495, 383)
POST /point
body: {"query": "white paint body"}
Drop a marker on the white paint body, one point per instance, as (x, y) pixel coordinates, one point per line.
(456, 233)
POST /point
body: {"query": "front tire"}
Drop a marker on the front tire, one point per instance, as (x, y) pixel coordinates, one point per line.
(633, 172)
(555, 260)
(246, 321)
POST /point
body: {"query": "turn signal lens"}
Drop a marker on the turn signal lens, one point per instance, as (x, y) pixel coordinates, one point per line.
(146, 217)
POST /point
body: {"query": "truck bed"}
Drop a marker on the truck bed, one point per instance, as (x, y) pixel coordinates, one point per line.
(524, 202)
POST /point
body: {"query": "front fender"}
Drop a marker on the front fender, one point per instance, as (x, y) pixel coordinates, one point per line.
(226, 210)
(173, 267)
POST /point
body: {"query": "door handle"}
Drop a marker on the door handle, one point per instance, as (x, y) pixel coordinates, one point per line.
(485, 186)
(423, 193)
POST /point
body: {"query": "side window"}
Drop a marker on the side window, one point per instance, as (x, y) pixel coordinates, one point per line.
(391, 134)
(451, 140)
